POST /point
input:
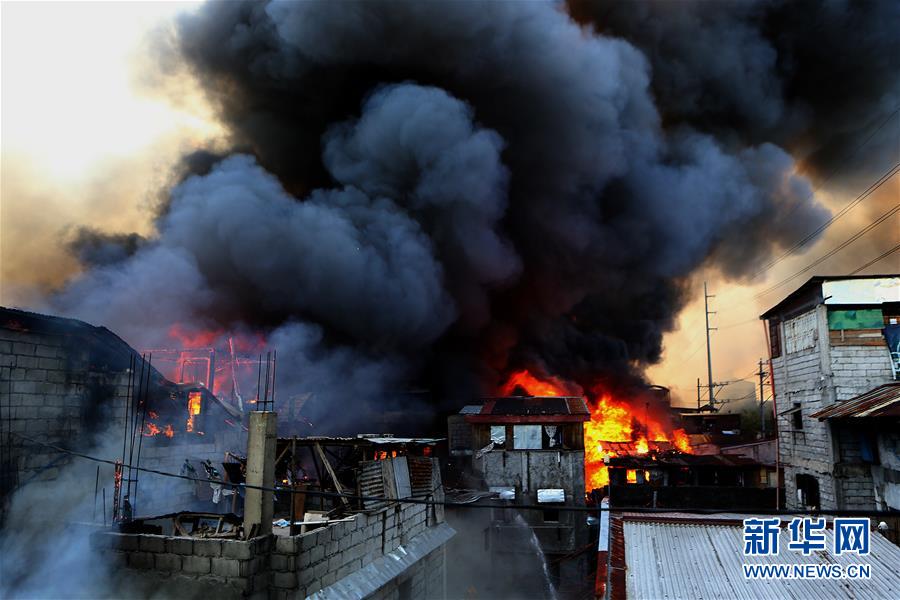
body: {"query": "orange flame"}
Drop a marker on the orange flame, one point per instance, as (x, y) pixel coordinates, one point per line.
(612, 420)
(194, 400)
(151, 430)
(548, 386)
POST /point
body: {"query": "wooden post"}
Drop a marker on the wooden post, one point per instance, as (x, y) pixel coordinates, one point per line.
(337, 484)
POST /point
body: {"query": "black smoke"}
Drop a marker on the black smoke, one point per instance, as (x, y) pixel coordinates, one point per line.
(430, 193)
(816, 77)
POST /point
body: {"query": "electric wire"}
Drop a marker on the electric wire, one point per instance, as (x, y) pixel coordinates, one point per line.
(862, 232)
(449, 503)
(821, 184)
(875, 260)
(868, 192)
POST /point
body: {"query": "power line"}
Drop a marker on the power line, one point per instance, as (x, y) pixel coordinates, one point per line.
(875, 260)
(821, 184)
(834, 251)
(868, 192)
(564, 507)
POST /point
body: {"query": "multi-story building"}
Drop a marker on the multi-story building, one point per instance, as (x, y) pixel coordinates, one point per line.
(530, 451)
(828, 345)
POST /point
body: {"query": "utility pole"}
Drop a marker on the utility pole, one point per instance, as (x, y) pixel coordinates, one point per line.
(762, 412)
(698, 394)
(706, 297)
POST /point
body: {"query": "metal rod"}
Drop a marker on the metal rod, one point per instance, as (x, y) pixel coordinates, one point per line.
(143, 424)
(134, 411)
(129, 393)
(292, 530)
(258, 381)
(104, 507)
(96, 486)
(133, 426)
(266, 392)
(274, 363)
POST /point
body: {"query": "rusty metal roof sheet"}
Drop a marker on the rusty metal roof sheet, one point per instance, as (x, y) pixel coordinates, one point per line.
(704, 560)
(532, 409)
(883, 401)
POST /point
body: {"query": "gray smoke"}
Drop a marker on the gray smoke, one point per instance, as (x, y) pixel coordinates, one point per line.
(428, 194)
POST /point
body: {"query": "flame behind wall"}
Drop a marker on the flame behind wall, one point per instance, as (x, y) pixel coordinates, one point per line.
(627, 420)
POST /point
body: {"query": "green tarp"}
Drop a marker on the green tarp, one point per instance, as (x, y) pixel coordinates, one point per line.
(870, 318)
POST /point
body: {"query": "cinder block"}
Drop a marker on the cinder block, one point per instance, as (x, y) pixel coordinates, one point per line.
(152, 543)
(45, 351)
(241, 584)
(251, 567)
(140, 560)
(286, 544)
(303, 559)
(237, 549)
(226, 567)
(308, 540)
(50, 363)
(284, 580)
(196, 564)
(167, 562)
(23, 348)
(208, 547)
(128, 542)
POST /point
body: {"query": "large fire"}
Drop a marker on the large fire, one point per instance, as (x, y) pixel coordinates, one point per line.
(613, 422)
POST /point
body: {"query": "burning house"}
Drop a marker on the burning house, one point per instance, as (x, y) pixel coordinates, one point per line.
(369, 526)
(74, 385)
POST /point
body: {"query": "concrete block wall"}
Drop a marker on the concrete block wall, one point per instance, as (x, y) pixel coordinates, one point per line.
(51, 391)
(800, 378)
(187, 567)
(280, 566)
(48, 391)
(858, 369)
(425, 581)
(307, 563)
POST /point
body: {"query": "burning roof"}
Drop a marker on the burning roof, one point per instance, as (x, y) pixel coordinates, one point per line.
(520, 409)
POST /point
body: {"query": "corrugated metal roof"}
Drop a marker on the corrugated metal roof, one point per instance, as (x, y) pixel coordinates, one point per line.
(535, 405)
(691, 560)
(883, 401)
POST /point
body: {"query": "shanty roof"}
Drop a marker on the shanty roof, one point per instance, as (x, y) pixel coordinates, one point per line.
(810, 293)
(682, 460)
(883, 401)
(364, 440)
(532, 409)
(700, 558)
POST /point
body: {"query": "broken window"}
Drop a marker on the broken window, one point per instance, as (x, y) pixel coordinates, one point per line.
(527, 437)
(551, 515)
(797, 417)
(808, 491)
(498, 435)
(552, 437)
(774, 339)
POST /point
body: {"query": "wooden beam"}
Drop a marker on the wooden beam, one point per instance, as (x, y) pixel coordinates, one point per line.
(337, 484)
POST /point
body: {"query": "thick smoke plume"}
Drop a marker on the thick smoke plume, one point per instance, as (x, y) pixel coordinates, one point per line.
(433, 193)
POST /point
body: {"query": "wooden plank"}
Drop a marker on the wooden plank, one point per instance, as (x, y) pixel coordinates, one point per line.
(337, 484)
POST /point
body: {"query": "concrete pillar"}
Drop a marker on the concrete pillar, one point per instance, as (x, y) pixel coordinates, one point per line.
(260, 472)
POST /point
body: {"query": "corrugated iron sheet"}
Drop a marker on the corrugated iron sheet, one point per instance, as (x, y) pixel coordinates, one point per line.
(691, 560)
(883, 401)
